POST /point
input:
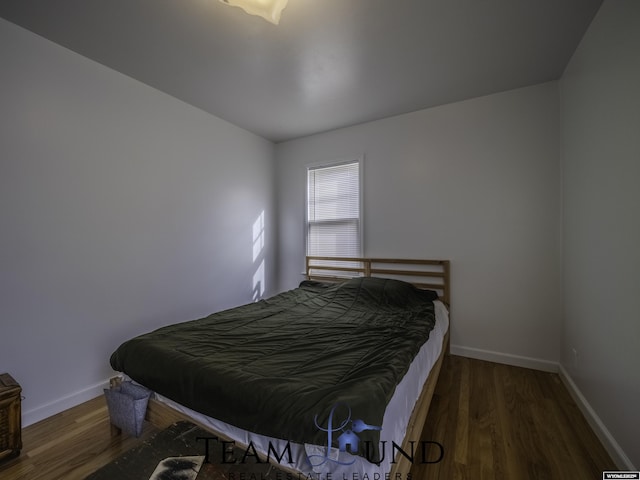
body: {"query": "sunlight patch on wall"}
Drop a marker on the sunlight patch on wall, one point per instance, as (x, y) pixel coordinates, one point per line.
(258, 236)
(259, 282)
(259, 286)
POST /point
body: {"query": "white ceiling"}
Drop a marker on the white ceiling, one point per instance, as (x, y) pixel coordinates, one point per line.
(329, 64)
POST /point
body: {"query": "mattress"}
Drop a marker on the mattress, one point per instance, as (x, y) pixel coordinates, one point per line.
(272, 366)
(320, 461)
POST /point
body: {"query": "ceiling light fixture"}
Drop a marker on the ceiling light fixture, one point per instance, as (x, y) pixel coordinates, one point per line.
(268, 9)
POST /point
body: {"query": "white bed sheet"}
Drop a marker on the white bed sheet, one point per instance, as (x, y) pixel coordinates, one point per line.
(394, 423)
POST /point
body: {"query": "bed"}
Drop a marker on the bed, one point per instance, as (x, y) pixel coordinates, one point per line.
(348, 360)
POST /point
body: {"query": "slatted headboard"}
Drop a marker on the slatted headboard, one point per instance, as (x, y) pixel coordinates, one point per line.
(427, 274)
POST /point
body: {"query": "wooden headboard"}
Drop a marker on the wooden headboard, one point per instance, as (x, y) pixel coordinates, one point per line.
(427, 274)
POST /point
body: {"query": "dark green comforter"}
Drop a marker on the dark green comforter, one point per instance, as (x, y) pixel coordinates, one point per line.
(270, 367)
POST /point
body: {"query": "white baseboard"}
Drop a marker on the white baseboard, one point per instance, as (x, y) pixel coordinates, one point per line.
(44, 411)
(613, 448)
(506, 358)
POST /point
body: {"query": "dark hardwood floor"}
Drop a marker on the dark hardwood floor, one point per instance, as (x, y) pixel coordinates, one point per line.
(501, 422)
(493, 421)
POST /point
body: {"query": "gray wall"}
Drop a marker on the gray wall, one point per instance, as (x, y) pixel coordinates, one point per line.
(476, 182)
(600, 93)
(121, 209)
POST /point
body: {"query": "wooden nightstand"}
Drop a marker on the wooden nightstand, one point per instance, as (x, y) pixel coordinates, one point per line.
(10, 417)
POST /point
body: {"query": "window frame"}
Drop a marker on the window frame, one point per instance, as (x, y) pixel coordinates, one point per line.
(335, 163)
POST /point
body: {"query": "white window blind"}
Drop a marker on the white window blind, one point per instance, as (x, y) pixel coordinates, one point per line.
(333, 210)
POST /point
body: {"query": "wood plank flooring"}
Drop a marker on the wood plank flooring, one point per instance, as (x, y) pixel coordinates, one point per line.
(496, 421)
(69, 445)
(493, 421)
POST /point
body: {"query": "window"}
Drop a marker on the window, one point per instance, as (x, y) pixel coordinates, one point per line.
(333, 210)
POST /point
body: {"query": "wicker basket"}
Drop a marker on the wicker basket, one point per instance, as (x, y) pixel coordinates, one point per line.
(127, 405)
